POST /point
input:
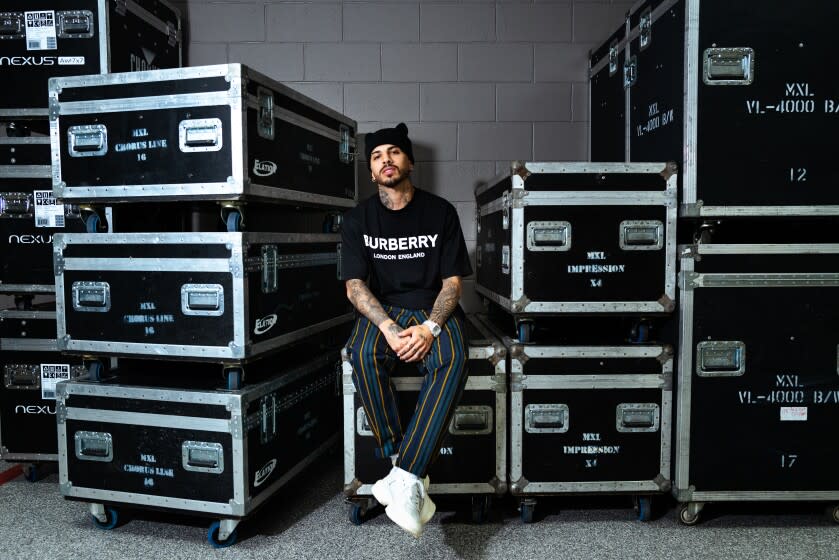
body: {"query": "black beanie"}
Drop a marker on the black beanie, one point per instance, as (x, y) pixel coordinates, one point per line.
(397, 136)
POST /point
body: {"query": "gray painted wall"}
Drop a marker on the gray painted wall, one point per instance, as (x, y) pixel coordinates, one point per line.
(478, 83)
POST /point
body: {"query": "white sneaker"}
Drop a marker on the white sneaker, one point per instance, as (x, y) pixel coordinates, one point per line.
(410, 506)
(381, 488)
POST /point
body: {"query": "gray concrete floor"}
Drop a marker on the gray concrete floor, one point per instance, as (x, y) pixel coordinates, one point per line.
(309, 519)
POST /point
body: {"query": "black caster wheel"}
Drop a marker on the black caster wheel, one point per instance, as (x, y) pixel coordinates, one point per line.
(643, 507)
(357, 513)
(835, 514)
(525, 332)
(640, 333)
(234, 377)
(112, 518)
(212, 536)
(526, 510)
(480, 508)
(686, 517)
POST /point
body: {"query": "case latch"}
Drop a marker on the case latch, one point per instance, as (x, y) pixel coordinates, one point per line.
(87, 140)
(728, 66)
(202, 456)
(15, 203)
(641, 235)
(551, 418)
(630, 72)
(200, 135)
(74, 24)
(549, 236)
(267, 418)
(12, 25)
(505, 259)
(645, 28)
(720, 358)
(270, 275)
(265, 115)
(92, 297)
(613, 58)
(345, 154)
(94, 446)
(205, 300)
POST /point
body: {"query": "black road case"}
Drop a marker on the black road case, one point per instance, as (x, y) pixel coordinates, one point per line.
(737, 96)
(220, 132)
(758, 390)
(40, 39)
(590, 419)
(30, 365)
(202, 451)
(557, 238)
(221, 297)
(608, 135)
(473, 455)
(29, 215)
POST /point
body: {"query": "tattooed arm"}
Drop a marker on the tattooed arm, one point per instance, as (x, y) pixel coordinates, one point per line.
(419, 338)
(366, 303)
(447, 300)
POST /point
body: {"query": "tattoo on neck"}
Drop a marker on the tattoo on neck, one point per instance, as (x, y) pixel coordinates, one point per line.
(384, 196)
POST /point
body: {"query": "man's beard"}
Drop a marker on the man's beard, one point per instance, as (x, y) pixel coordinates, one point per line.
(394, 180)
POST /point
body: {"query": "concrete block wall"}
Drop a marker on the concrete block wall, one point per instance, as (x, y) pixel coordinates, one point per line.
(478, 83)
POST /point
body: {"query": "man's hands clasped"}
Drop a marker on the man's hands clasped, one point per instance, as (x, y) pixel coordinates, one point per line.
(411, 344)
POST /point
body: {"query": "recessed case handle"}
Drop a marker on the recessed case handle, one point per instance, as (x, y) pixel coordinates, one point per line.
(200, 135)
(720, 358)
(202, 456)
(74, 24)
(90, 140)
(549, 236)
(202, 300)
(12, 26)
(638, 417)
(552, 418)
(94, 446)
(92, 297)
(728, 66)
(641, 235)
(471, 420)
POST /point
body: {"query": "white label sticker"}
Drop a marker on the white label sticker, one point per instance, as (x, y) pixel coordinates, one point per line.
(48, 211)
(50, 375)
(794, 413)
(71, 61)
(40, 31)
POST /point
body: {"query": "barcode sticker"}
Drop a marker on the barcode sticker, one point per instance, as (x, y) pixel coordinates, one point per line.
(40, 30)
(51, 374)
(48, 211)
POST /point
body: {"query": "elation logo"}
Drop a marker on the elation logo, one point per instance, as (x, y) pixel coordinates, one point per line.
(34, 409)
(264, 168)
(263, 473)
(264, 325)
(30, 239)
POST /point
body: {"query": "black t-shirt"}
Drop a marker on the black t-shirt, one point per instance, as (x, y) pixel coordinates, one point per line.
(405, 253)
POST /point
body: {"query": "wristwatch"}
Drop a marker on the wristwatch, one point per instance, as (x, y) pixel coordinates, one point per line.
(433, 327)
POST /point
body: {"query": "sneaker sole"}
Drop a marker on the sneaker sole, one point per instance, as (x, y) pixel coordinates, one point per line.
(382, 495)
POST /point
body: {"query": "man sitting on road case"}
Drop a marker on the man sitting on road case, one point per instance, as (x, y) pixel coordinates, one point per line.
(403, 259)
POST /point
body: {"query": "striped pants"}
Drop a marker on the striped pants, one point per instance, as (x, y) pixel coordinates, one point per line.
(444, 370)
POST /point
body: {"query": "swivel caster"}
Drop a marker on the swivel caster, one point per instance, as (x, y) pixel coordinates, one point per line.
(233, 216)
(525, 330)
(105, 518)
(93, 222)
(233, 378)
(94, 371)
(689, 514)
(835, 514)
(480, 508)
(643, 507)
(640, 332)
(357, 513)
(526, 509)
(214, 532)
(32, 472)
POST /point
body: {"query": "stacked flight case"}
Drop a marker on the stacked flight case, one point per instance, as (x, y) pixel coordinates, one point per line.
(738, 98)
(223, 270)
(40, 39)
(473, 454)
(588, 248)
